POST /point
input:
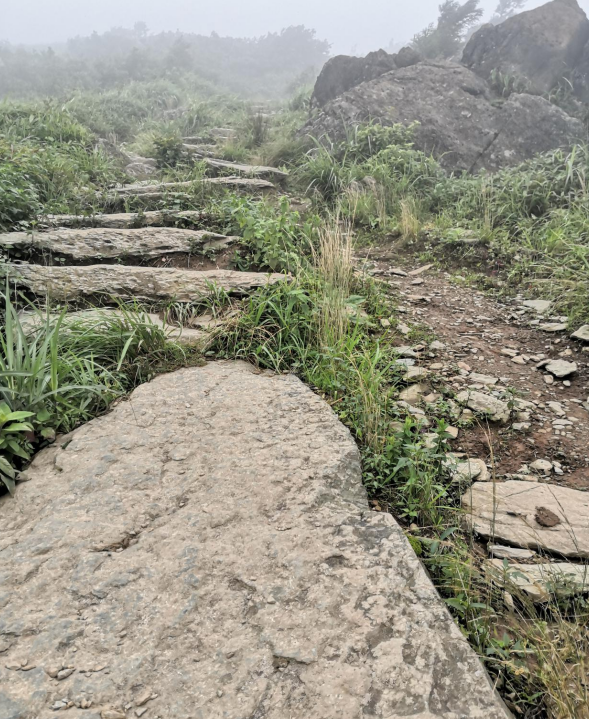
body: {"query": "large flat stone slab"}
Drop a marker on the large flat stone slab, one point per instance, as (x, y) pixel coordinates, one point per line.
(151, 190)
(541, 582)
(207, 548)
(534, 516)
(269, 173)
(125, 220)
(108, 244)
(143, 283)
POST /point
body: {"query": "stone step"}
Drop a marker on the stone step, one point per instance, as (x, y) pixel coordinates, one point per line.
(208, 549)
(149, 284)
(184, 335)
(272, 173)
(156, 191)
(107, 244)
(125, 220)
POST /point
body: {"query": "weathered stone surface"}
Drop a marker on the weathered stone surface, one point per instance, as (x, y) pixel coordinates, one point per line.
(509, 512)
(104, 316)
(125, 220)
(542, 582)
(470, 470)
(581, 334)
(561, 368)
(143, 283)
(495, 409)
(539, 306)
(464, 128)
(343, 72)
(153, 191)
(501, 552)
(271, 173)
(540, 46)
(107, 244)
(210, 542)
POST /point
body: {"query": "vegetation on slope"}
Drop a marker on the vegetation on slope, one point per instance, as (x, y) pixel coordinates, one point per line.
(327, 325)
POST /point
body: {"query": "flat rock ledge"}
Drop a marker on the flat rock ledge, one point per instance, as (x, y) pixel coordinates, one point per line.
(111, 244)
(141, 283)
(206, 550)
(545, 517)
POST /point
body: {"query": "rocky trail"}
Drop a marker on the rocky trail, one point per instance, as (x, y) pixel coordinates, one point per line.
(520, 379)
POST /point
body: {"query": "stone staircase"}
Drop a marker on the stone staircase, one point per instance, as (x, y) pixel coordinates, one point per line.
(108, 258)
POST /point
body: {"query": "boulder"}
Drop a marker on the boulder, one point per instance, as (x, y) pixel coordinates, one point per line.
(343, 72)
(539, 47)
(460, 121)
(207, 550)
(126, 220)
(141, 283)
(530, 515)
(87, 245)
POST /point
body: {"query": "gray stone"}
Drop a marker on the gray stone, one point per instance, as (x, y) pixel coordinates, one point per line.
(509, 512)
(470, 470)
(125, 220)
(483, 379)
(271, 173)
(581, 334)
(153, 191)
(141, 283)
(538, 47)
(495, 409)
(542, 582)
(219, 515)
(541, 465)
(539, 306)
(85, 245)
(553, 327)
(561, 368)
(465, 128)
(501, 552)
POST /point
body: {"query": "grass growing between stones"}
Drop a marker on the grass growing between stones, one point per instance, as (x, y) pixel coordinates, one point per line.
(57, 373)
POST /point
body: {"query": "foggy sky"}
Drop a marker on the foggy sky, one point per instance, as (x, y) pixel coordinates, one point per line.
(350, 25)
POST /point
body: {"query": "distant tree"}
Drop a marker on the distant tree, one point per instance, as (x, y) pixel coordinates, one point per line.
(506, 9)
(444, 39)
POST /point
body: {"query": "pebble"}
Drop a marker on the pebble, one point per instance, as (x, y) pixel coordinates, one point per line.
(541, 465)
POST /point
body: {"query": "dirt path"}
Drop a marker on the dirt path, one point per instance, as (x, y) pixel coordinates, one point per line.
(479, 332)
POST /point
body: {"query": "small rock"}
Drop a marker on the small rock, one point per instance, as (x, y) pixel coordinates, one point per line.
(65, 673)
(405, 351)
(403, 328)
(452, 431)
(415, 373)
(413, 394)
(521, 426)
(501, 552)
(496, 409)
(397, 271)
(112, 714)
(556, 408)
(437, 346)
(581, 334)
(561, 368)
(385, 323)
(140, 712)
(418, 281)
(420, 270)
(546, 518)
(518, 360)
(143, 698)
(553, 327)
(541, 582)
(509, 352)
(539, 306)
(483, 379)
(470, 470)
(541, 465)
(548, 379)
(53, 671)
